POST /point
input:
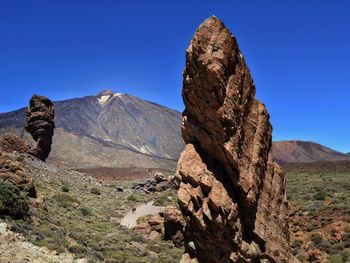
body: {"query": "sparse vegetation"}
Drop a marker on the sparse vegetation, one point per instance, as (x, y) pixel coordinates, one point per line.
(320, 206)
(166, 198)
(87, 224)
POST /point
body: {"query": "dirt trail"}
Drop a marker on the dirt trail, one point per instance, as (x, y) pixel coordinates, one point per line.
(129, 220)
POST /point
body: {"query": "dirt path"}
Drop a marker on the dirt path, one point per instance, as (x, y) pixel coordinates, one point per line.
(131, 217)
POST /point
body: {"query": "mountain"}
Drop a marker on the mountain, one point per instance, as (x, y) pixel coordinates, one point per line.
(120, 130)
(305, 152)
(110, 129)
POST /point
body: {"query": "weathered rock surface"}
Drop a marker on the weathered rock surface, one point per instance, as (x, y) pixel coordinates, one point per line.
(15, 173)
(174, 225)
(231, 192)
(11, 142)
(167, 224)
(40, 124)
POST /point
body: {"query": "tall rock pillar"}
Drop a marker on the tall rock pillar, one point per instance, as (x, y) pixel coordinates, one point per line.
(40, 124)
(231, 192)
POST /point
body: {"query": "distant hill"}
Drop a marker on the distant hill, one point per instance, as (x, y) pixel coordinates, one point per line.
(110, 129)
(305, 152)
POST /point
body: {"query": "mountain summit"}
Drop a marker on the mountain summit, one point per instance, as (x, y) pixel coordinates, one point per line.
(89, 128)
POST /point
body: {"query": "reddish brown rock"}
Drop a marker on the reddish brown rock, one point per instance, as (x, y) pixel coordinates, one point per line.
(173, 225)
(168, 224)
(40, 124)
(14, 172)
(10, 142)
(231, 192)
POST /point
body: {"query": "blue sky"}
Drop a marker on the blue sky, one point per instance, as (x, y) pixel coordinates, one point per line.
(298, 52)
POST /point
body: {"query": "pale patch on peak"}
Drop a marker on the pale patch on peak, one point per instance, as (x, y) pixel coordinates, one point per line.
(103, 99)
(104, 96)
(117, 94)
(105, 93)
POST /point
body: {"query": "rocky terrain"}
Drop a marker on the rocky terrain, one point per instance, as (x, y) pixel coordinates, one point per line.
(10, 142)
(305, 152)
(231, 193)
(319, 218)
(14, 248)
(50, 233)
(320, 215)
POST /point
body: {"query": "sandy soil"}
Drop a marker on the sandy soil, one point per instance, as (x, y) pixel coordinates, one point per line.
(130, 219)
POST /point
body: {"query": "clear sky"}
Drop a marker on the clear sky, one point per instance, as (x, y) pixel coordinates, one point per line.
(298, 52)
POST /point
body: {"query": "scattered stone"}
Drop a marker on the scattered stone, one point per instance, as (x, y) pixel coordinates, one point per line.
(158, 184)
(120, 189)
(231, 192)
(40, 124)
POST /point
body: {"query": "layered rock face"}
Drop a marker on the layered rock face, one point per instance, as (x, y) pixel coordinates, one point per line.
(231, 192)
(40, 124)
(11, 142)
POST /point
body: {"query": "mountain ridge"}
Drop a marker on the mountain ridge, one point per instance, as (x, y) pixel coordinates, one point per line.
(116, 129)
(298, 151)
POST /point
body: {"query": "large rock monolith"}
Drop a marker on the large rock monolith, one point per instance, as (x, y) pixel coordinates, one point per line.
(40, 124)
(231, 192)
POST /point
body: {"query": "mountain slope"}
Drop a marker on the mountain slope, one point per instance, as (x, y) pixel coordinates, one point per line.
(304, 152)
(110, 129)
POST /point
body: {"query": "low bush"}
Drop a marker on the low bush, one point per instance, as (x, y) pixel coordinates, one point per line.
(65, 188)
(95, 191)
(12, 202)
(132, 198)
(65, 199)
(76, 249)
(320, 196)
(85, 211)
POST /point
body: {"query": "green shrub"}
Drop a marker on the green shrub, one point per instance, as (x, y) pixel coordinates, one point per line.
(95, 191)
(65, 188)
(76, 249)
(325, 246)
(321, 196)
(132, 198)
(346, 238)
(316, 239)
(335, 259)
(85, 211)
(51, 237)
(297, 244)
(12, 201)
(65, 199)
